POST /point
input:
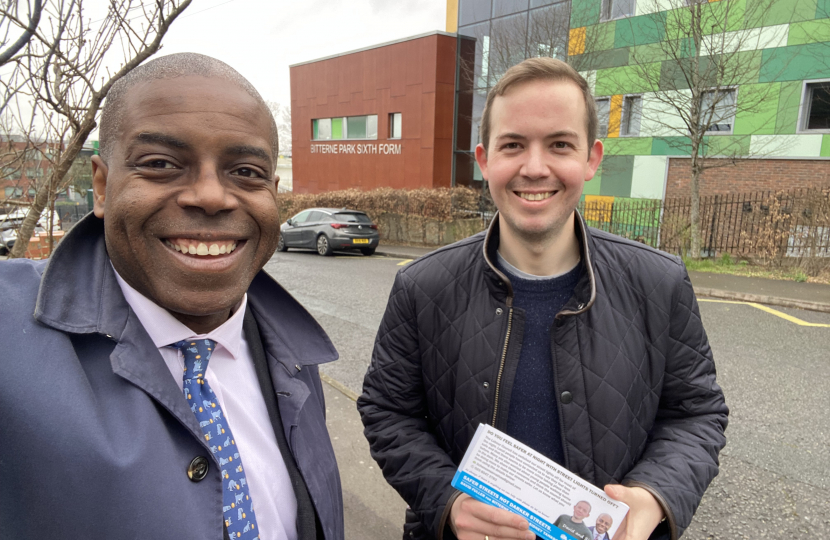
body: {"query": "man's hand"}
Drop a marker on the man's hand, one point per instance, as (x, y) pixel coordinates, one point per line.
(473, 520)
(644, 515)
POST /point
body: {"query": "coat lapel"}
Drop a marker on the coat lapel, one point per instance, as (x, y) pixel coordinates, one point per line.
(137, 360)
(79, 294)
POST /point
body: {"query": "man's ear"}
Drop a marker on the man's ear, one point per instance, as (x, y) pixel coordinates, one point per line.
(594, 159)
(481, 159)
(99, 185)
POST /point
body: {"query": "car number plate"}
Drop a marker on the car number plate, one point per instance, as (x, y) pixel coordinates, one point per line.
(360, 240)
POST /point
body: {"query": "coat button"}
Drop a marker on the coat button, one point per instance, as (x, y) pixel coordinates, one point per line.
(580, 306)
(499, 311)
(198, 468)
(486, 384)
(566, 397)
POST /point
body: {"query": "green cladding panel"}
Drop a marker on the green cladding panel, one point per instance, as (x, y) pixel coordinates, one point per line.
(789, 100)
(727, 145)
(796, 63)
(600, 37)
(745, 68)
(757, 109)
(809, 32)
(627, 146)
(616, 176)
(771, 12)
(584, 12)
(336, 128)
(825, 146)
(627, 79)
(600, 60)
(671, 146)
(640, 30)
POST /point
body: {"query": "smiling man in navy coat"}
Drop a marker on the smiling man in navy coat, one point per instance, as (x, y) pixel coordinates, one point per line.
(101, 433)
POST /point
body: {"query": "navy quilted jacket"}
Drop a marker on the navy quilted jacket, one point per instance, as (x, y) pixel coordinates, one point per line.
(632, 366)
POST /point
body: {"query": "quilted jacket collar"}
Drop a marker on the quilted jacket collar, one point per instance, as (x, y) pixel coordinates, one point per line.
(585, 292)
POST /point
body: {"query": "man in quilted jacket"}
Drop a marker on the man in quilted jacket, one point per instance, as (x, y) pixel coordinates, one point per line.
(583, 345)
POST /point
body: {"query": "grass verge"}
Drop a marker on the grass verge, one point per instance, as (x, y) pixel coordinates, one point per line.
(726, 265)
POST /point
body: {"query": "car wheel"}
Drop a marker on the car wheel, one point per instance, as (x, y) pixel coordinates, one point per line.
(281, 244)
(323, 246)
(367, 251)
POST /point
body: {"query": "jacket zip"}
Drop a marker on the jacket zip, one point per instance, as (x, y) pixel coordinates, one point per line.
(501, 365)
(556, 392)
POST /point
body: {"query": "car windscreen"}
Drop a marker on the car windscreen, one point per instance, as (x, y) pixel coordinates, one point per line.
(352, 217)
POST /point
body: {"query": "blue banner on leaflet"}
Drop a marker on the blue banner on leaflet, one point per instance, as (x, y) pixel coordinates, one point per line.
(483, 492)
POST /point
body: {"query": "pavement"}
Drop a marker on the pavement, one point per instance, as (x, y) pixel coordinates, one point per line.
(772, 292)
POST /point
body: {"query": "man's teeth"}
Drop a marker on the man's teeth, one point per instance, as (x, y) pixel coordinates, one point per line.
(535, 196)
(203, 249)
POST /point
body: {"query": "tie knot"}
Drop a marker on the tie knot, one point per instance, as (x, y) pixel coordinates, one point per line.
(196, 354)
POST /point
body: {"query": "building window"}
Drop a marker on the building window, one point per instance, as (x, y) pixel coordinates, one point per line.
(14, 192)
(345, 127)
(631, 113)
(395, 125)
(11, 173)
(617, 9)
(603, 114)
(815, 107)
(717, 110)
(321, 129)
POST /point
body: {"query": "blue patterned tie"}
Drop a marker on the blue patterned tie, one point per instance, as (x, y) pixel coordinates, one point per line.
(238, 508)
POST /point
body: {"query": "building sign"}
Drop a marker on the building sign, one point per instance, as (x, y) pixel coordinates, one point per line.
(356, 148)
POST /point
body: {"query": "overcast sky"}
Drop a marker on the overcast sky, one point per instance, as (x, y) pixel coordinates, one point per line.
(261, 38)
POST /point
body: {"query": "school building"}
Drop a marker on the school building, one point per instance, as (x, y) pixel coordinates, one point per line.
(406, 114)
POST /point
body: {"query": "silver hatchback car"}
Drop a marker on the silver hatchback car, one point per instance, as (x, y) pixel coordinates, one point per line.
(329, 229)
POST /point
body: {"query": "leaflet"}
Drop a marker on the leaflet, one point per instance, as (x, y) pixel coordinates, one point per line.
(500, 471)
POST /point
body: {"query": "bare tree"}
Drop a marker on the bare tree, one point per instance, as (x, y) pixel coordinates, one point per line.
(66, 74)
(694, 80)
(282, 116)
(8, 24)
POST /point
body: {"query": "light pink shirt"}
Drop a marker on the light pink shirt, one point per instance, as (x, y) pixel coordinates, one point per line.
(232, 377)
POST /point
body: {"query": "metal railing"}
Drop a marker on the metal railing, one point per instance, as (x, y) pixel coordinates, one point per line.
(766, 224)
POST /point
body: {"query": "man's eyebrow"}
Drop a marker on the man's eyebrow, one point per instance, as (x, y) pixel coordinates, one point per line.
(510, 136)
(563, 133)
(248, 150)
(552, 135)
(161, 138)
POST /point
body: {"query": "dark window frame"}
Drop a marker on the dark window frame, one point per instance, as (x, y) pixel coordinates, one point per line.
(806, 106)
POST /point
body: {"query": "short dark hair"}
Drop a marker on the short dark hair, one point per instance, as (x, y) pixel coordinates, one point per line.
(167, 67)
(540, 69)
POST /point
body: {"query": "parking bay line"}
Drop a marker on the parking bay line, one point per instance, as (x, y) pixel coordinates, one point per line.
(775, 312)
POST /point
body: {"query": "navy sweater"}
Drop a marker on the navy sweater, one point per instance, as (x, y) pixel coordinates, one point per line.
(533, 417)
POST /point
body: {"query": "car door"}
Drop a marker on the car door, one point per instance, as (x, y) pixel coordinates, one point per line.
(293, 228)
(311, 228)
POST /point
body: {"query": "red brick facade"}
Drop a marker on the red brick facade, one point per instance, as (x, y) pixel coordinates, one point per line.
(748, 175)
(414, 77)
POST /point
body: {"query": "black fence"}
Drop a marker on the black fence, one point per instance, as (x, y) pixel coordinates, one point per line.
(762, 225)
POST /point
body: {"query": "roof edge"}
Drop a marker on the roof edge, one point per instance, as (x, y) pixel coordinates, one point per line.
(377, 46)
